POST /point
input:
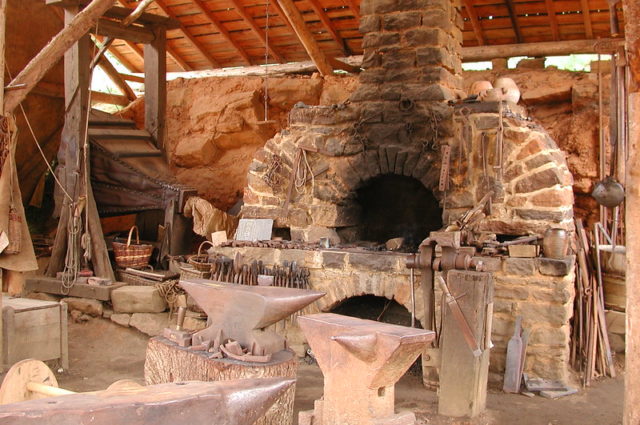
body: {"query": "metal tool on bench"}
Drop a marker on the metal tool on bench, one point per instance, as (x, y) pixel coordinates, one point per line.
(30, 396)
(242, 313)
(177, 334)
(239, 271)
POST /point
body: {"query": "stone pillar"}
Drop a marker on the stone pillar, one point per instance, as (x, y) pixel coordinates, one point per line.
(412, 67)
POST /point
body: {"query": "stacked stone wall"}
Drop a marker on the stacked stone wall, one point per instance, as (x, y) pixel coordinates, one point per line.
(539, 289)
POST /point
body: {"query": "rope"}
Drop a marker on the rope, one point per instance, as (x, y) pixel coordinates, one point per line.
(72, 258)
(170, 291)
(35, 139)
(303, 173)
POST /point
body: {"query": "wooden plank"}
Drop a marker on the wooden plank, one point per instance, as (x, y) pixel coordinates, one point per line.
(463, 377)
(631, 413)
(138, 52)
(553, 48)
(214, 63)
(218, 26)
(136, 34)
(514, 20)
(109, 98)
(155, 75)
(64, 337)
(261, 34)
(124, 60)
(118, 133)
(134, 78)
(306, 38)
(52, 285)
(473, 19)
(52, 52)
(144, 19)
(3, 21)
(328, 25)
(116, 78)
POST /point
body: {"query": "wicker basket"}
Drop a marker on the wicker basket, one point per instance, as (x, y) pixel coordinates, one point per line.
(201, 261)
(188, 271)
(132, 255)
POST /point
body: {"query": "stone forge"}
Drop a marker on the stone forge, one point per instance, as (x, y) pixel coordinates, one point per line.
(391, 135)
(361, 360)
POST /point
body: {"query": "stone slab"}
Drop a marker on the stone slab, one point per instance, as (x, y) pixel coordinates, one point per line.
(151, 324)
(138, 299)
(51, 285)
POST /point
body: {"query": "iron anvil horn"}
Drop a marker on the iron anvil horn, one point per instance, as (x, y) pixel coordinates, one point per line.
(242, 312)
(235, 402)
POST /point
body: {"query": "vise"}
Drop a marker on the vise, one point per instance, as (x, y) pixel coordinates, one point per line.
(459, 366)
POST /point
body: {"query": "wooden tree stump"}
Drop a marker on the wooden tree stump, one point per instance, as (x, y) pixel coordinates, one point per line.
(168, 362)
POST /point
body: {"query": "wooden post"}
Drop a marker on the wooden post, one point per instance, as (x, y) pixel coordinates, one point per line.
(155, 90)
(631, 415)
(3, 20)
(463, 377)
(52, 52)
(76, 72)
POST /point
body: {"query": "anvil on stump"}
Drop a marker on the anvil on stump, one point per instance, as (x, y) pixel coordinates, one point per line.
(243, 313)
(361, 361)
(239, 402)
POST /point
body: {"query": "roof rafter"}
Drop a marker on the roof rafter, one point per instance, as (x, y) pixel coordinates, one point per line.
(174, 55)
(293, 15)
(514, 20)
(353, 6)
(319, 10)
(218, 25)
(214, 63)
(256, 30)
(586, 15)
(553, 20)
(475, 22)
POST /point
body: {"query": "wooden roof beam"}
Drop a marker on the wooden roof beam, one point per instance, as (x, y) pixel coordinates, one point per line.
(319, 10)
(53, 52)
(256, 30)
(475, 22)
(123, 60)
(553, 20)
(138, 52)
(586, 16)
(218, 26)
(514, 20)
(306, 38)
(196, 44)
(353, 6)
(117, 79)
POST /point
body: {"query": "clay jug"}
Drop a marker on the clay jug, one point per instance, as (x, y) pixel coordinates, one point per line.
(555, 243)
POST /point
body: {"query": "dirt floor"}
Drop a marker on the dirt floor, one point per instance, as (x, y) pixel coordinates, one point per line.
(102, 352)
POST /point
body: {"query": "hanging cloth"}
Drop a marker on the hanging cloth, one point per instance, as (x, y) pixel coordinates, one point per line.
(10, 196)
